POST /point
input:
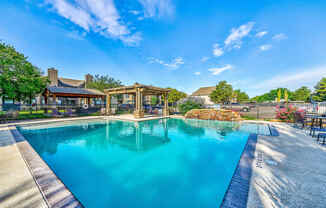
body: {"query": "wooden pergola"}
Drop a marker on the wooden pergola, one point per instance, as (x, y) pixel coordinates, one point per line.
(139, 91)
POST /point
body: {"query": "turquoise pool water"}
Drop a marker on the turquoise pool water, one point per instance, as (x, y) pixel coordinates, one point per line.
(158, 163)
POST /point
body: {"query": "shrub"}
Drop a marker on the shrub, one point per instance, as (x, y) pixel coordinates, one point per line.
(189, 105)
(288, 113)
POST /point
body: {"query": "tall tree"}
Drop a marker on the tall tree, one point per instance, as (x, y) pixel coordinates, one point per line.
(222, 93)
(102, 82)
(19, 79)
(273, 95)
(175, 95)
(320, 90)
(240, 96)
(302, 94)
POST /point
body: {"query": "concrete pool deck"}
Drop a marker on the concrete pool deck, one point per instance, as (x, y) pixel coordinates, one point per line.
(17, 186)
(288, 171)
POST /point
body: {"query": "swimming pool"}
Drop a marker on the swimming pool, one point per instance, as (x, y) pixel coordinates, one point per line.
(157, 163)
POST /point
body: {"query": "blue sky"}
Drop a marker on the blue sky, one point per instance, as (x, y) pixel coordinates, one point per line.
(185, 44)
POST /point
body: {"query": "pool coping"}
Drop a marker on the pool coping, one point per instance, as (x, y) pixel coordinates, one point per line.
(236, 195)
(54, 191)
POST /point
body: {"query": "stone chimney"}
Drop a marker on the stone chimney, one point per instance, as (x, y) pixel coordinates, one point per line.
(88, 79)
(53, 76)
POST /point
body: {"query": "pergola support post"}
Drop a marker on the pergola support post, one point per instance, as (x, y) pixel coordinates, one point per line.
(139, 113)
(46, 104)
(54, 102)
(166, 106)
(108, 104)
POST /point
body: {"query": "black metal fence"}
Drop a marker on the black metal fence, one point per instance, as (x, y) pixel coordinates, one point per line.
(10, 112)
(269, 110)
(129, 108)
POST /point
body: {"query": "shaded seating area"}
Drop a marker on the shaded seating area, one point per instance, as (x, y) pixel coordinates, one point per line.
(138, 91)
(83, 95)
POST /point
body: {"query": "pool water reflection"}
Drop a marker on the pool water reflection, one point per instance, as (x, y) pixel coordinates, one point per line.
(158, 163)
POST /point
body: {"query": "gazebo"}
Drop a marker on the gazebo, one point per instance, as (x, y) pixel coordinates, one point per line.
(139, 91)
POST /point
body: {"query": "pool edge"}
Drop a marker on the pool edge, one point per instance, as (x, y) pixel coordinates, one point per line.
(237, 193)
(54, 191)
(235, 196)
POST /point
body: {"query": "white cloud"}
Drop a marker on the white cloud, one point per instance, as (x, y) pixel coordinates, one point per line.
(216, 71)
(205, 58)
(217, 51)
(307, 77)
(197, 73)
(280, 36)
(76, 35)
(261, 34)
(132, 40)
(234, 40)
(74, 14)
(159, 8)
(100, 16)
(134, 12)
(265, 47)
(141, 18)
(174, 64)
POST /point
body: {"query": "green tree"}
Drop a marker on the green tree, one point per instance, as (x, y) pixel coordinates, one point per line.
(19, 79)
(175, 95)
(240, 96)
(102, 82)
(154, 100)
(273, 95)
(222, 93)
(189, 105)
(320, 90)
(302, 94)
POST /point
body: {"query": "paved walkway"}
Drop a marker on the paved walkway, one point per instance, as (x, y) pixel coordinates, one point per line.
(17, 186)
(50, 120)
(289, 171)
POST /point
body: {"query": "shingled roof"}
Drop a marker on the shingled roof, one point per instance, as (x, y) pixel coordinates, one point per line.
(72, 90)
(204, 91)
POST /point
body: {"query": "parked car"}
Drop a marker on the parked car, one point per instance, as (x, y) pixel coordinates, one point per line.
(215, 106)
(238, 107)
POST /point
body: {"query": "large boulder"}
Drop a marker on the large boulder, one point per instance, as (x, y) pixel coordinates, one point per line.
(212, 114)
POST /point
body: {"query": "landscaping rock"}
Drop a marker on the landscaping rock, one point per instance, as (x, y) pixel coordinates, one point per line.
(212, 114)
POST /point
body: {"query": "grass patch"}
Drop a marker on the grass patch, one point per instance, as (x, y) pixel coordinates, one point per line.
(32, 116)
(40, 114)
(249, 117)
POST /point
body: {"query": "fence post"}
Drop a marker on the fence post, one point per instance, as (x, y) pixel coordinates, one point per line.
(257, 111)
